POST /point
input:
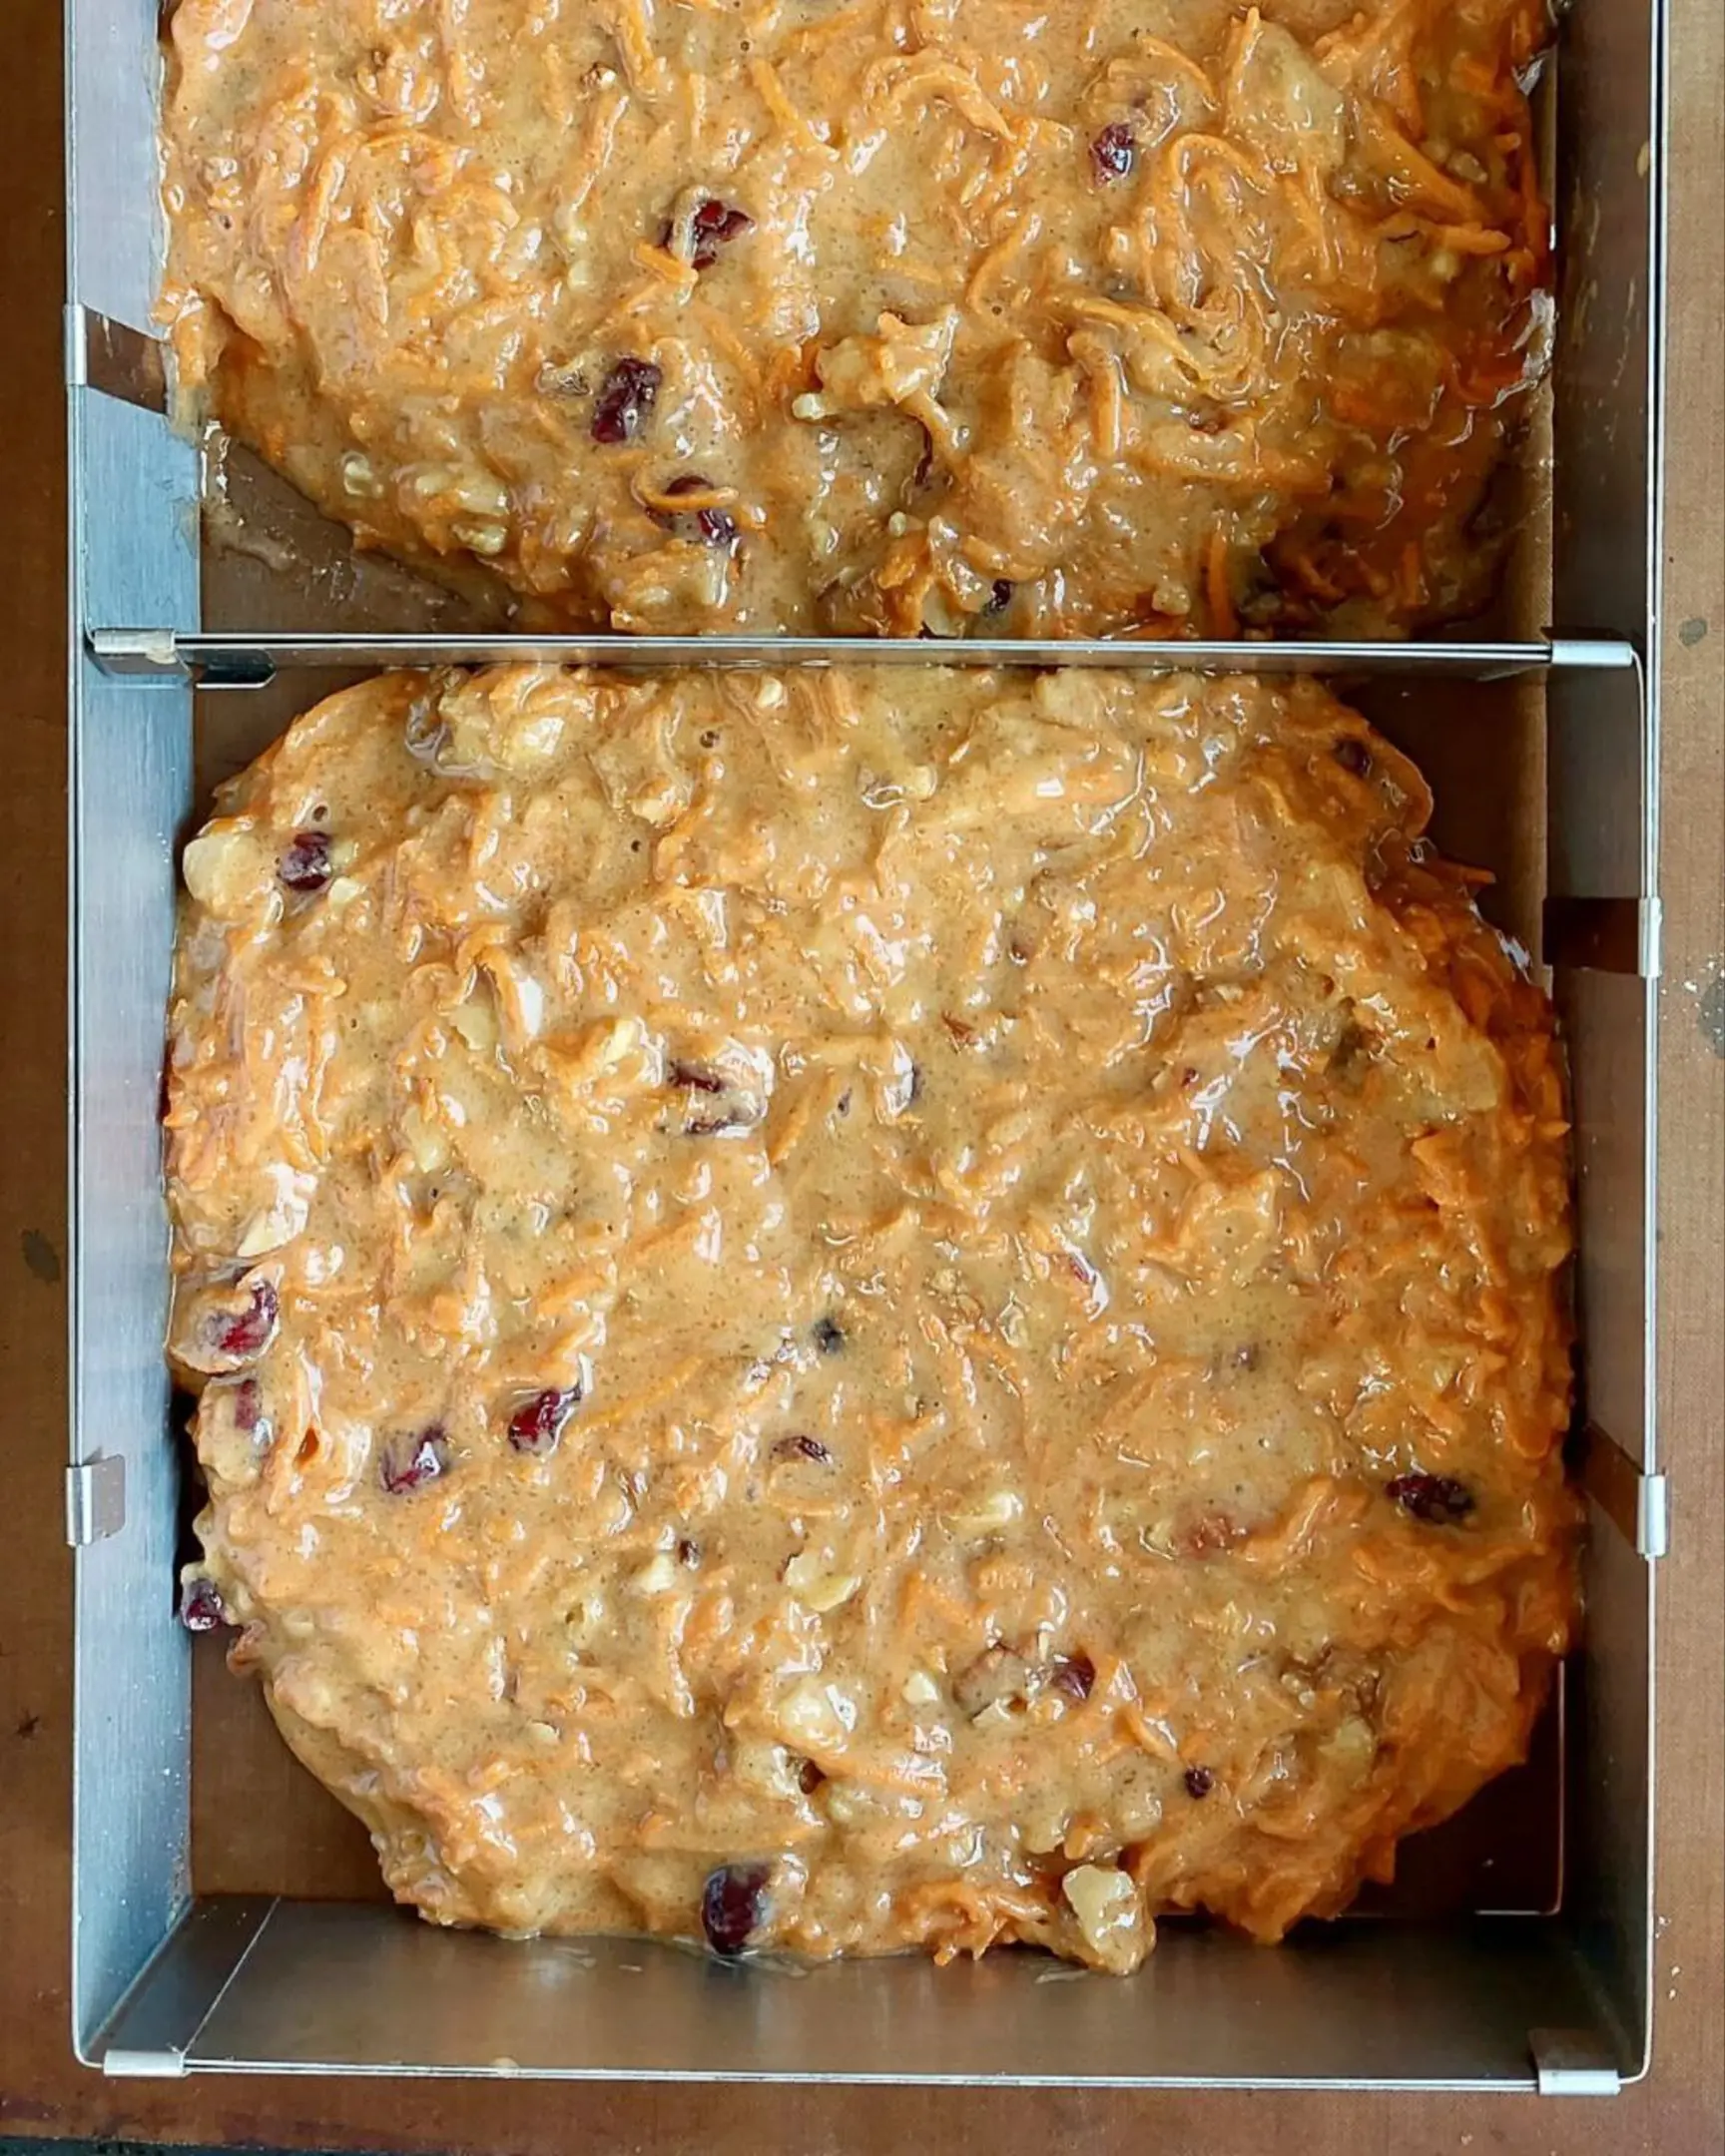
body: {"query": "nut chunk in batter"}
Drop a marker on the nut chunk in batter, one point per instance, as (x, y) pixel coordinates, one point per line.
(1033, 316)
(862, 1311)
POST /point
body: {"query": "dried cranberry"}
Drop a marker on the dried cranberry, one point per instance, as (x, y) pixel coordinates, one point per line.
(1199, 1781)
(717, 526)
(1114, 151)
(828, 1336)
(307, 865)
(733, 1903)
(240, 1405)
(728, 1119)
(999, 597)
(1436, 1499)
(536, 1425)
(714, 225)
(242, 1338)
(733, 1110)
(1353, 755)
(1074, 1675)
(202, 1608)
(802, 1447)
(412, 1462)
(713, 526)
(626, 396)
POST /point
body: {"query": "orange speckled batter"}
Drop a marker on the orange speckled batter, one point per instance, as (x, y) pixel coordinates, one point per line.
(858, 1310)
(1045, 316)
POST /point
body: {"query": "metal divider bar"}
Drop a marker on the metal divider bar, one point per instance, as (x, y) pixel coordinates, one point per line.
(1605, 935)
(230, 659)
(1634, 1500)
(116, 360)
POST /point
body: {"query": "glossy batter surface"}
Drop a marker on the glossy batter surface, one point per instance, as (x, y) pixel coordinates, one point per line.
(868, 1310)
(1102, 317)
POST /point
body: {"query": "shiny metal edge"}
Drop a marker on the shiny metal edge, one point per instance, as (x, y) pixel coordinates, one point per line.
(1603, 869)
(116, 360)
(1654, 1490)
(129, 788)
(1634, 1501)
(1613, 935)
(114, 234)
(95, 1498)
(366, 1988)
(234, 660)
(155, 2025)
(1573, 2062)
(1654, 1517)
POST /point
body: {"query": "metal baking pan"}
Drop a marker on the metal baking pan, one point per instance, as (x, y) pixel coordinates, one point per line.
(225, 1913)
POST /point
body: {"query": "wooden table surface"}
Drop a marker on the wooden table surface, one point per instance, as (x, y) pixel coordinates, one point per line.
(1679, 2112)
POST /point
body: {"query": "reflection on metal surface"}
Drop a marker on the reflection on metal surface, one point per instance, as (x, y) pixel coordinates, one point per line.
(1608, 358)
(130, 785)
(95, 1498)
(114, 231)
(115, 360)
(1633, 1501)
(1573, 2062)
(1611, 935)
(159, 2021)
(332, 1986)
(229, 660)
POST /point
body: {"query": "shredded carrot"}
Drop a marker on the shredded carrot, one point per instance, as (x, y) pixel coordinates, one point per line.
(454, 291)
(1223, 622)
(934, 1502)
